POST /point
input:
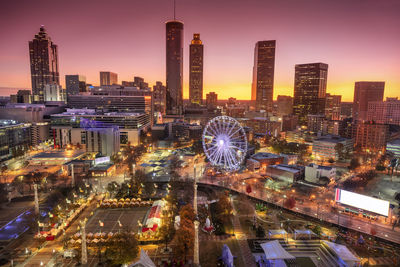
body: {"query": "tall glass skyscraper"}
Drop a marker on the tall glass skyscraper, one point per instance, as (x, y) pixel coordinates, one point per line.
(309, 90)
(174, 67)
(196, 70)
(262, 90)
(44, 63)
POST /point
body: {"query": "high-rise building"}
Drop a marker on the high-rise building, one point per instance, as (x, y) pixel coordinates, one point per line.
(44, 63)
(211, 99)
(174, 67)
(309, 90)
(262, 90)
(385, 112)
(128, 84)
(284, 105)
(196, 70)
(75, 84)
(371, 136)
(22, 96)
(108, 78)
(140, 83)
(159, 95)
(333, 106)
(365, 92)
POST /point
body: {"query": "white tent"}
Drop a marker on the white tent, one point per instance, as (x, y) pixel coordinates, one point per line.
(272, 233)
(303, 232)
(144, 261)
(343, 253)
(274, 251)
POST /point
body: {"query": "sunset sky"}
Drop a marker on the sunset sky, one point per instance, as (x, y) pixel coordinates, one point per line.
(359, 39)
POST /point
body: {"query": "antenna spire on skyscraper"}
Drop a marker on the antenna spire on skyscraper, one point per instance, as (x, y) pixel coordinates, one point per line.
(174, 10)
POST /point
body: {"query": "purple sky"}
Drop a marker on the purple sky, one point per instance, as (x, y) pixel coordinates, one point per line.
(359, 39)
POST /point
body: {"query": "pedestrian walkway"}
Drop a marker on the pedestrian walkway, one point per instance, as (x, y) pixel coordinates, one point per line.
(241, 237)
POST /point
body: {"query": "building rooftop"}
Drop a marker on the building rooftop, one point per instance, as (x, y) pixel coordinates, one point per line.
(331, 139)
(394, 142)
(264, 155)
(86, 111)
(101, 167)
(8, 123)
(57, 154)
(328, 168)
(289, 168)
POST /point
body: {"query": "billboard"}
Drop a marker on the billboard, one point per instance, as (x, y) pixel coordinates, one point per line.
(363, 202)
(101, 160)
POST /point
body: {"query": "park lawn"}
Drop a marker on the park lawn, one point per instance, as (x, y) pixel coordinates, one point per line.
(210, 251)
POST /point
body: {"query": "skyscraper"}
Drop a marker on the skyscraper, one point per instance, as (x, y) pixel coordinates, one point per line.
(108, 78)
(196, 70)
(333, 107)
(284, 105)
(262, 90)
(211, 99)
(174, 67)
(309, 90)
(44, 63)
(159, 92)
(75, 84)
(365, 92)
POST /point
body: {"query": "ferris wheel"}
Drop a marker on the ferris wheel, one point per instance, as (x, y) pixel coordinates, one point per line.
(225, 143)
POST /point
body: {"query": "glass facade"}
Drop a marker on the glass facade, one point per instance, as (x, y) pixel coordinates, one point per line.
(174, 64)
(44, 64)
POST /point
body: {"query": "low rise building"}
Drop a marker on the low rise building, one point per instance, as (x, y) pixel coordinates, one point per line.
(285, 172)
(56, 157)
(394, 147)
(264, 160)
(76, 126)
(314, 172)
(330, 147)
(15, 139)
(289, 159)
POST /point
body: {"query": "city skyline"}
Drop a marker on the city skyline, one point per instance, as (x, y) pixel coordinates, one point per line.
(369, 43)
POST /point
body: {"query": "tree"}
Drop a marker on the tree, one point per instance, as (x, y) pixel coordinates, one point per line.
(18, 183)
(174, 167)
(33, 178)
(317, 230)
(187, 215)
(223, 206)
(122, 248)
(339, 148)
(354, 164)
(256, 145)
(137, 180)
(197, 147)
(184, 237)
(3, 193)
(112, 188)
(52, 177)
(290, 203)
(167, 232)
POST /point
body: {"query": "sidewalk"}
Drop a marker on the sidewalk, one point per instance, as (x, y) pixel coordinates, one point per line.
(241, 237)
